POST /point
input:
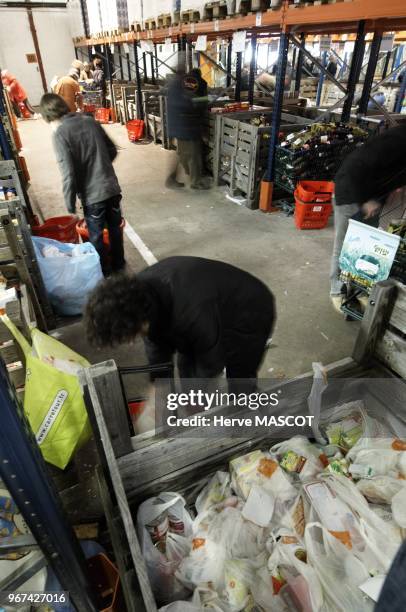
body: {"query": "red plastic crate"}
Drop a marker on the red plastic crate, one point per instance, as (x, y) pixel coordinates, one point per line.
(102, 115)
(89, 108)
(315, 191)
(313, 215)
(135, 129)
(58, 228)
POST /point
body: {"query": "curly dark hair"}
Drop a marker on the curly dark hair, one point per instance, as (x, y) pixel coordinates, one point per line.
(116, 310)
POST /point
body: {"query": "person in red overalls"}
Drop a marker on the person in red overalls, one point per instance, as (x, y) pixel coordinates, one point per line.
(18, 96)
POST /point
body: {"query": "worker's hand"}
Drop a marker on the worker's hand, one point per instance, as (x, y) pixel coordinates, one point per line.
(370, 208)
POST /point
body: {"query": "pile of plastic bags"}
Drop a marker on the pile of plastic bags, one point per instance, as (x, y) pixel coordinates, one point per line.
(298, 527)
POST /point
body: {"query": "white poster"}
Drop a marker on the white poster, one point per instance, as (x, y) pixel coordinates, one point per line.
(147, 46)
(168, 45)
(201, 43)
(387, 42)
(368, 253)
(239, 39)
(325, 43)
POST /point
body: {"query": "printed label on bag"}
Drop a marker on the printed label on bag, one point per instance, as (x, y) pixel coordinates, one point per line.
(51, 415)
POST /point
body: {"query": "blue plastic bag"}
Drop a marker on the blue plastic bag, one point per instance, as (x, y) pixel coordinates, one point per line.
(68, 280)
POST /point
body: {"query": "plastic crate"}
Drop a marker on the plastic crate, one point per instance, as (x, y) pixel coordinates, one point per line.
(135, 129)
(89, 108)
(314, 215)
(315, 191)
(102, 115)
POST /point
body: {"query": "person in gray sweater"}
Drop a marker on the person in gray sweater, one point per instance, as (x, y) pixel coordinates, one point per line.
(85, 156)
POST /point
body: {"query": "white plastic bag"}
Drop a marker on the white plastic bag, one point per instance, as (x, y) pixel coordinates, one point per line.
(373, 539)
(338, 571)
(161, 569)
(349, 423)
(68, 280)
(399, 508)
(380, 489)
(314, 400)
(261, 469)
(216, 491)
(286, 566)
(180, 606)
(238, 575)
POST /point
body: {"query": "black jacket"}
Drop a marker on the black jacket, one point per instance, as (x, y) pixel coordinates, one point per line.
(209, 310)
(85, 154)
(184, 112)
(374, 170)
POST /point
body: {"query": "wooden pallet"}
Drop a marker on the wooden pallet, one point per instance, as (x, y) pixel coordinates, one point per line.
(150, 24)
(137, 26)
(217, 10)
(164, 21)
(303, 3)
(191, 16)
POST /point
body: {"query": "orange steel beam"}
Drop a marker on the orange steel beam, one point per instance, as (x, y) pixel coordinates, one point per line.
(345, 11)
(341, 17)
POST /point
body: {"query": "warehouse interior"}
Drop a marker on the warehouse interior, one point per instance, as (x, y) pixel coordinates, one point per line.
(262, 137)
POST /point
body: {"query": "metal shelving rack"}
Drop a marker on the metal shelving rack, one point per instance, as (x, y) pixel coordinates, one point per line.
(24, 473)
(355, 16)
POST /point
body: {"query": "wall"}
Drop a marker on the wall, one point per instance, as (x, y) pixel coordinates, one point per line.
(55, 43)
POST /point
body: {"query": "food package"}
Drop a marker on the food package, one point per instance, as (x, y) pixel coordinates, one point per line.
(299, 458)
(261, 469)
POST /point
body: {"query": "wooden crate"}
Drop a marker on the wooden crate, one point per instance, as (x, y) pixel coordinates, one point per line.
(134, 469)
(242, 150)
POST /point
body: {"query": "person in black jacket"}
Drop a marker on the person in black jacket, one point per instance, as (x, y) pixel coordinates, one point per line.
(85, 156)
(185, 117)
(212, 314)
(365, 180)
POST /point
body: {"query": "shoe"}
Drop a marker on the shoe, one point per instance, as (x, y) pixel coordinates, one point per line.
(201, 185)
(337, 301)
(174, 185)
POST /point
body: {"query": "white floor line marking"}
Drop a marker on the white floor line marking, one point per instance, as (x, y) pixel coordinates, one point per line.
(140, 245)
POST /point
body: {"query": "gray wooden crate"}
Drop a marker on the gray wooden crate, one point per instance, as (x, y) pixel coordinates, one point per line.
(134, 469)
(242, 149)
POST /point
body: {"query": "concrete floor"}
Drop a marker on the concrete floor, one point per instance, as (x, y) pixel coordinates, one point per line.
(294, 264)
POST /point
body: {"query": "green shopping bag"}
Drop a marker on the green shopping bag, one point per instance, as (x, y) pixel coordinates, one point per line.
(53, 400)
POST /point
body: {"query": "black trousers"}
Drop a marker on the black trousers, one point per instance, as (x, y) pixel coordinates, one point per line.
(101, 215)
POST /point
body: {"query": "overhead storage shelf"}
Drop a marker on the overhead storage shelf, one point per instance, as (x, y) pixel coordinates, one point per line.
(340, 16)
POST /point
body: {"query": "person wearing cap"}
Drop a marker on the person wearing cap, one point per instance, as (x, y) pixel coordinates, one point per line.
(68, 88)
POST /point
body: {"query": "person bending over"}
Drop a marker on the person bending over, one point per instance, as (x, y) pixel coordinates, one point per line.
(212, 314)
(363, 184)
(85, 156)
